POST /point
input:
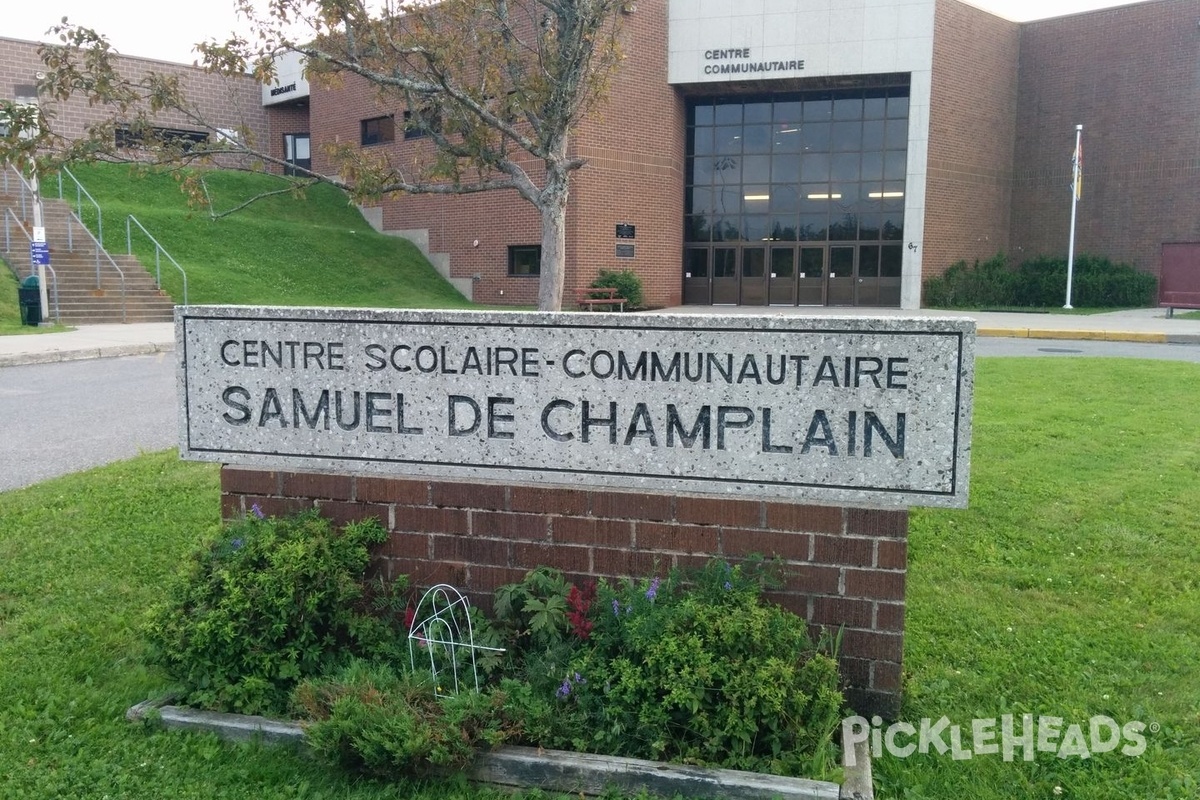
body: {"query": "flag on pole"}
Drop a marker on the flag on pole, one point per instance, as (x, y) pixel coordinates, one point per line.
(1077, 169)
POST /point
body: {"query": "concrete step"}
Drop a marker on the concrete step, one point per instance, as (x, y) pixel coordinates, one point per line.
(80, 301)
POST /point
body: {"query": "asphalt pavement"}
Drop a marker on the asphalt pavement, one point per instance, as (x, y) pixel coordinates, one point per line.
(1146, 325)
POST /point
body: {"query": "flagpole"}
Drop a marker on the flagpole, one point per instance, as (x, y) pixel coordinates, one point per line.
(1074, 200)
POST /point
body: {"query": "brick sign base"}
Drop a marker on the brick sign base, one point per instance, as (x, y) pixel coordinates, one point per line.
(844, 567)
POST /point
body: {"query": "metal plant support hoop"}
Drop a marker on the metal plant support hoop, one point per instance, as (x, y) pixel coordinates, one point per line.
(441, 626)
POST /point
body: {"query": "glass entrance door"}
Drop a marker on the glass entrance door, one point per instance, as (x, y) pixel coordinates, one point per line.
(840, 285)
(782, 291)
(868, 275)
(811, 281)
(754, 276)
(725, 276)
(696, 289)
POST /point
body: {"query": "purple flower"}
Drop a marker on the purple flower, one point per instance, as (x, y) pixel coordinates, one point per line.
(652, 592)
(236, 544)
(256, 511)
(564, 690)
(616, 608)
(579, 678)
(728, 586)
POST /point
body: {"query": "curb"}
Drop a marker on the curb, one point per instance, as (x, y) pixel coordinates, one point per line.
(85, 353)
(549, 770)
(1088, 335)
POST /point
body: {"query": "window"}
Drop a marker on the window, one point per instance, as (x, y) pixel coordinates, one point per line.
(413, 129)
(135, 137)
(377, 130)
(418, 123)
(525, 259)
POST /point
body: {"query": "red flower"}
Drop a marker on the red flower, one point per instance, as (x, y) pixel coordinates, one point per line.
(579, 601)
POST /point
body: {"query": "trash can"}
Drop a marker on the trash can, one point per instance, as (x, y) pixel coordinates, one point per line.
(29, 297)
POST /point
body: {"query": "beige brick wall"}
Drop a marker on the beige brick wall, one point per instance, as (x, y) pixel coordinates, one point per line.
(227, 102)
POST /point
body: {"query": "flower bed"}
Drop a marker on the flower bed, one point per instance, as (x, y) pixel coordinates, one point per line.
(275, 617)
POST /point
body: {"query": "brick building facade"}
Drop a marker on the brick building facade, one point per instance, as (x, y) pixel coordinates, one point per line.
(992, 106)
(1130, 76)
(984, 164)
(227, 103)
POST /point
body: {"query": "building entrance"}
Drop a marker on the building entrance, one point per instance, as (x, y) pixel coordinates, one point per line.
(797, 274)
(796, 199)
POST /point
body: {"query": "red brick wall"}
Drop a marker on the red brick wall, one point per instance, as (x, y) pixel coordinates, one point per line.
(226, 102)
(1130, 76)
(844, 567)
(633, 144)
(281, 120)
(971, 128)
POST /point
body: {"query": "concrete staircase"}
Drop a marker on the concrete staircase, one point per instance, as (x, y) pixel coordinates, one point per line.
(82, 300)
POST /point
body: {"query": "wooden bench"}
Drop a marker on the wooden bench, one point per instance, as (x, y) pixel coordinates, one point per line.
(590, 297)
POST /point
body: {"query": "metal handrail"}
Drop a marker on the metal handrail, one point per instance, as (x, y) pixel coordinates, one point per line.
(80, 193)
(158, 248)
(72, 216)
(26, 193)
(8, 249)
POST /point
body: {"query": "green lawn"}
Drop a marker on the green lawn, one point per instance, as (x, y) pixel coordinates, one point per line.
(1069, 588)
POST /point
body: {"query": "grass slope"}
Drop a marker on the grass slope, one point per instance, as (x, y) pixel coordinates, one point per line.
(283, 250)
(1070, 587)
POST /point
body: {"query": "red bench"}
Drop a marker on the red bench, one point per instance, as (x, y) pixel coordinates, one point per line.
(590, 297)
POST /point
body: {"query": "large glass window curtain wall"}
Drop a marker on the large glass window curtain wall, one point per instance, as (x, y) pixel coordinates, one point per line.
(796, 199)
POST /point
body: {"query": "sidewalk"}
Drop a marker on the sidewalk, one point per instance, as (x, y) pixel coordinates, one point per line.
(87, 341)
(1138, 325)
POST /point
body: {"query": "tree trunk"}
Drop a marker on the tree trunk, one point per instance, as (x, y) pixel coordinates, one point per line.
(553, 206)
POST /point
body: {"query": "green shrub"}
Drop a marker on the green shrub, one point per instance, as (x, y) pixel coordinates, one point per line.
(268, 603)
(1096, 283)
(627, 283)
(1040, 283)
(986, 284)
(371, 718)
(711, 675)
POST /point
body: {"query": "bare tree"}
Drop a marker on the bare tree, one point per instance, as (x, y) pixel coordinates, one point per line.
(496, 86)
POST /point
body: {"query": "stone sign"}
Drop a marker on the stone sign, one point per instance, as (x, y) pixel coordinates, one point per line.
(849, 411)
